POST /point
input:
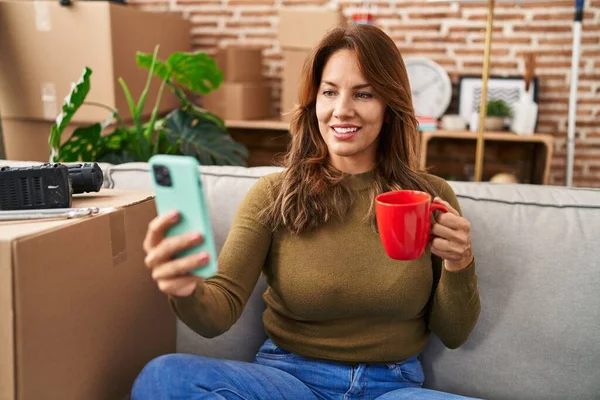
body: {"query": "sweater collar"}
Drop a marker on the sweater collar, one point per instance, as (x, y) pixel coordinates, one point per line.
(360, 181)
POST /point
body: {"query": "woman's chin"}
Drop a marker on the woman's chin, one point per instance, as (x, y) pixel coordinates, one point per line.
(343, 150)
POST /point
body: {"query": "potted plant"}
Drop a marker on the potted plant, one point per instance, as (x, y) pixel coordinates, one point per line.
(187, 130)
(497, 111)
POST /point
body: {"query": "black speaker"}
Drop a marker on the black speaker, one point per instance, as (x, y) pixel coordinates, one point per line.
(50, 185)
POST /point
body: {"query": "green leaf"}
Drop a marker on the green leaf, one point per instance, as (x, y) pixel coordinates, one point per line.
(195, 71)
(73, 101)
(118, 157)
(82, 145)
(142, 99)
(121, 137)
(150, 127)
(204, 140)
(165, 146)
(198, 112)
(129, 98)
(136, 117)
(161, 70)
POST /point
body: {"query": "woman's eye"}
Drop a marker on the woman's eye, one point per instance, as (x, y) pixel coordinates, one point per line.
(328, 93)
(364, 95)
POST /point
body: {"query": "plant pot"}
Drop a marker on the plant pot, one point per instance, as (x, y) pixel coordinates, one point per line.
(494, 123)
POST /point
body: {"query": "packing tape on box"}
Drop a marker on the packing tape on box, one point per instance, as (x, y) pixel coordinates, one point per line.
(43, 23)
(50, 108)
(118, 238)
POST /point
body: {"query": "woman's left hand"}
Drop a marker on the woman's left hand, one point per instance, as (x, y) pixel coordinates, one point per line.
(452, 240)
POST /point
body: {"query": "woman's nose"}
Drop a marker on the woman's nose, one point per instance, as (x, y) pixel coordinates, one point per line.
(344, 107)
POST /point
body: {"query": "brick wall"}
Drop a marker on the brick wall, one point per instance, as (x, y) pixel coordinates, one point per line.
(451, 34)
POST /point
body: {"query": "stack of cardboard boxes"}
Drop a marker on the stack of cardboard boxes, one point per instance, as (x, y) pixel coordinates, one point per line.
(244, 94)
(44, 49)
(299, 32)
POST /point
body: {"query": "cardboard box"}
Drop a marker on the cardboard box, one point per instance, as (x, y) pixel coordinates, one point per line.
(293, 62)
(80, 315)
(240, 101)
(303, 29)
(27, 140)
(240, 64)
(45, 47)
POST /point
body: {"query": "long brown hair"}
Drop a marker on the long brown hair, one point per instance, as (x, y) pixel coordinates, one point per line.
(311, 191)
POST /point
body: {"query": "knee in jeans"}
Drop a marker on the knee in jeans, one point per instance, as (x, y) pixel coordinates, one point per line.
(165, 363)
(158, 369)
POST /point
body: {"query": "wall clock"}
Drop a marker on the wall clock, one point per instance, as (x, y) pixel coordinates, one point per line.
(430, 86)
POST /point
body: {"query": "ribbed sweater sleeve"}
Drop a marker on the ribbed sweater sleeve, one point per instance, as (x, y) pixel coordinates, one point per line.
(455, 305)
(217, 304)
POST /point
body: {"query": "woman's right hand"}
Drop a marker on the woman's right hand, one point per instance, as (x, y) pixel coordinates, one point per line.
(172, 274)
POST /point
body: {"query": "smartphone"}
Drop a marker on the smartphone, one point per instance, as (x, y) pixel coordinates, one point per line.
(177, 186)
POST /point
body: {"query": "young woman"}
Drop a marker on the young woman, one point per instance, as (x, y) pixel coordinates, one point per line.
(344, 320)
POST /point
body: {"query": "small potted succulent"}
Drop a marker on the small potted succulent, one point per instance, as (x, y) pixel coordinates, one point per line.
(497, 111)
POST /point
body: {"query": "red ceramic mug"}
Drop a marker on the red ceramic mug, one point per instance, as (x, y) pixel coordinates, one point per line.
(404, 222)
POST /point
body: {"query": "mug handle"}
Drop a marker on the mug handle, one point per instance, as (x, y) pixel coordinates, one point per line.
(436, 207)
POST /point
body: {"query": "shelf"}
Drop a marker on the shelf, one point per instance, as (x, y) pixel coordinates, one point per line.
(505, 136)
(276, 125)
(534, 151)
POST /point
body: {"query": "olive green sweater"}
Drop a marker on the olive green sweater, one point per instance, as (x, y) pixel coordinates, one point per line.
(333, 292)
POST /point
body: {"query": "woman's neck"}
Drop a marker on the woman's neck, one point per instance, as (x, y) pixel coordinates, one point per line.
(351, 166)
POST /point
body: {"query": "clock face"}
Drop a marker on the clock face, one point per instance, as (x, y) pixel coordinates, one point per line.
(430, 86)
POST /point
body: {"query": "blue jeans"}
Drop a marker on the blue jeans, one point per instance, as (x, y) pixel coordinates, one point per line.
(279, 374)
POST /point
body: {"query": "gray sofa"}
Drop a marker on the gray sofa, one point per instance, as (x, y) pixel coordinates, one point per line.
(538, 260)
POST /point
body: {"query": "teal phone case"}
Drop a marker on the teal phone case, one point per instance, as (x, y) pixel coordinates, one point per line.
(186, 195)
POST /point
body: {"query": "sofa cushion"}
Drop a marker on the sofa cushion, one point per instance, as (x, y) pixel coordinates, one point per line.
(537, 250)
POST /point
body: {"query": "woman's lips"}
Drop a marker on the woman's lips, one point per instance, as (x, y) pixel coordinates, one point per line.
(345, 134)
